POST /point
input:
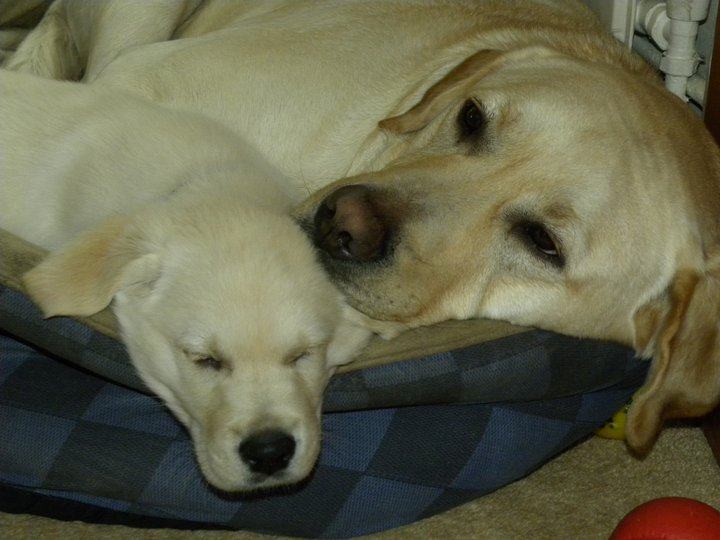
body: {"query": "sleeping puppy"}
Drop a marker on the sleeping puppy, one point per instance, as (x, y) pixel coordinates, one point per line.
(224, 310)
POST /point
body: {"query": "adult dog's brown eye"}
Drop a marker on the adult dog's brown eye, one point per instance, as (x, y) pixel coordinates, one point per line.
(541, 239)
(471, 118)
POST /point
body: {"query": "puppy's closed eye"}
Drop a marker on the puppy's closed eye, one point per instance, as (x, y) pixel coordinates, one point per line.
(208, 362)
(299, 355)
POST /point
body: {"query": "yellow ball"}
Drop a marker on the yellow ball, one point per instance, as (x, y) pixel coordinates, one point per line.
(615, 427)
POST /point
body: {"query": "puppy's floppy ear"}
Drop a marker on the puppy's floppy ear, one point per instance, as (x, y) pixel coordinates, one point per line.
(681, 329)
(81, 278)
(454, 86)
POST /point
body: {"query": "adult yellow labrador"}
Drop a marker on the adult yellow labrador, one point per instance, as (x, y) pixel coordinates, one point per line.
(502, 159)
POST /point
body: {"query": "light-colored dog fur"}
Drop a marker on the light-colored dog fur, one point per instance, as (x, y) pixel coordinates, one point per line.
(528, 167)
(224, 308)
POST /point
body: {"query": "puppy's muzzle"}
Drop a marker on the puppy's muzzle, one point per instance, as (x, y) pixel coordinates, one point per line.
(268, 452)
(350, 225)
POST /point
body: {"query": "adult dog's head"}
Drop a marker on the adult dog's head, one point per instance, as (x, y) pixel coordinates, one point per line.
(227, 316)
(544, 190)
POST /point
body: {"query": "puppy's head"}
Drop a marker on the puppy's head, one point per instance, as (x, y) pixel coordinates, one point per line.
(228, 318)
(547, 191)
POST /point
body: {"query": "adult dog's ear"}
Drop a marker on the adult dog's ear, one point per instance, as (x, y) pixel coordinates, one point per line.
(444, 92)
(456, 86)
(81, 278)
(681, 331)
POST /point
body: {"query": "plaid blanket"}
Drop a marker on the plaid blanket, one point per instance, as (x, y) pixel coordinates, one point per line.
(402, 441)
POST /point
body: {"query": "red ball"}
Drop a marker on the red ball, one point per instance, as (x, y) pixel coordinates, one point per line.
(670, 518)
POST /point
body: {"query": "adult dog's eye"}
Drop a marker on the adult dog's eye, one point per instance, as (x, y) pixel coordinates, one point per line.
(471, 119)
(542, 240)
(208, 362)
(539, 238)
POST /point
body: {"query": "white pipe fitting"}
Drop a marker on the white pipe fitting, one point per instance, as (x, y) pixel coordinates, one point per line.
(681, 59)
(688, 10)
(673, 27)
(696, 87)
(651, 19)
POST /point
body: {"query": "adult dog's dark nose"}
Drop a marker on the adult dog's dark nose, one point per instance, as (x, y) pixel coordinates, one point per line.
(348, 225)
(268, 452)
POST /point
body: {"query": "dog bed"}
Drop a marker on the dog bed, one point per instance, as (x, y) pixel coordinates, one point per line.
(418, 425)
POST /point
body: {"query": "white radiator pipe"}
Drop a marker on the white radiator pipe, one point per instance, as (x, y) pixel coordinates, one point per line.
(652, 20)
(673, 26)
(681, 59)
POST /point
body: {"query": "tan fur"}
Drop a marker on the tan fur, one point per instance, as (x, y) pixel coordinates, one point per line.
(686, 368)
(442, 93)
(82, 278)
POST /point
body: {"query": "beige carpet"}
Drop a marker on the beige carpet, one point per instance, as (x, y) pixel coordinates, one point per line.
(580, 495)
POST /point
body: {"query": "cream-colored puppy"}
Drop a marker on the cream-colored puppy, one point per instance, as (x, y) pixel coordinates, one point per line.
(222, 305)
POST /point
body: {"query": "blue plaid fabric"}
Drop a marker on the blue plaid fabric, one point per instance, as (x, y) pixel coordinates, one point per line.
(401, 442)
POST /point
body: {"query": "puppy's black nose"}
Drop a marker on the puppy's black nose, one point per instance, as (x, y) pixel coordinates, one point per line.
(349, 225)
(268, 452)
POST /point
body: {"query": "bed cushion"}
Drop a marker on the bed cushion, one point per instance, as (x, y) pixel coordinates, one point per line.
(417, 426)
